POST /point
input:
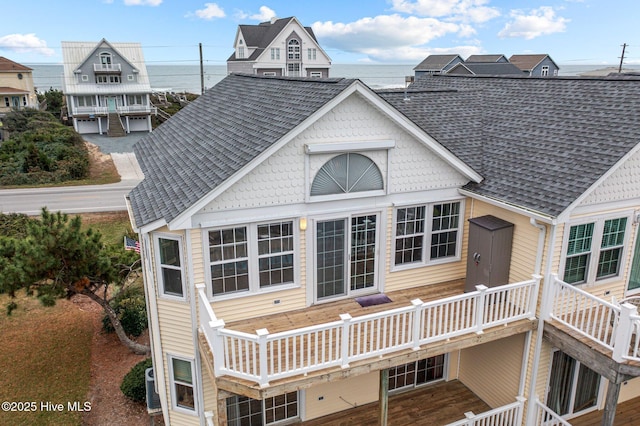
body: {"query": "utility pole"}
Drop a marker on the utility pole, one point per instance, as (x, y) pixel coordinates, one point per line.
(201, 71)
(624, 46)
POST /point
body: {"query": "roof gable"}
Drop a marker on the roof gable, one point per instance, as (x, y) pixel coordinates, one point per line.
(209, 145)
(436, 62)
(7, 65)
(102, 44)
(529, 62)
(487, 58)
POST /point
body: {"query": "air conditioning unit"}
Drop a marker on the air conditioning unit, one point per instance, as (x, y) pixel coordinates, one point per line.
(153, 399)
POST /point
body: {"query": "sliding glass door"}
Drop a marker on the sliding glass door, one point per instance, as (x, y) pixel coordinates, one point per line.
(573, 387)
(346, 255)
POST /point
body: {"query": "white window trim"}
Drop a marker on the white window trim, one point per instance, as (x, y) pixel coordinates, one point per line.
(427, 236)
(174, 399)
(252, 256)
(596, 241)
(156, 248)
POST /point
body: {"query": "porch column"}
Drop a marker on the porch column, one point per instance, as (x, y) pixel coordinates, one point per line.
(611, 403)
(383, 397)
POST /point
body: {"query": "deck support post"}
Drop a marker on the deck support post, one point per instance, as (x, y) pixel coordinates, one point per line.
(383, 397)
(613, 391)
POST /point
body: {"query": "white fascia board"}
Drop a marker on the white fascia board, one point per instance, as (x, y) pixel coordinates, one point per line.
(152, 226)
(540, 217)
(419, 134)
(564, 216)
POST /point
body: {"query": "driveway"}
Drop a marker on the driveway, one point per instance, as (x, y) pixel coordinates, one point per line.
(121, 150)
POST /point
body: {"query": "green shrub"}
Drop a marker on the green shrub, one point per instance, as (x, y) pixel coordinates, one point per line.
(131, 310)
(133, 385)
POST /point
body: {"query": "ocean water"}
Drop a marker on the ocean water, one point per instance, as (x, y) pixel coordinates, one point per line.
(186, 78)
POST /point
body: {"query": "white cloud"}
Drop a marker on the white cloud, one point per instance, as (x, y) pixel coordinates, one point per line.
(265, 14)
(23, 43)
(142, 2)
(385, 31)
(210, 11)
(538, 22)
(457, 10)
(411, 54)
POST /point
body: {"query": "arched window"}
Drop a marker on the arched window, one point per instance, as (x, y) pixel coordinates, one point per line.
(347, 173)
(294, 49)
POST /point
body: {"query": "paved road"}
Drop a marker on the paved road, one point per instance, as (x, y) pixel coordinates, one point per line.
(72, 199)
(82, 199)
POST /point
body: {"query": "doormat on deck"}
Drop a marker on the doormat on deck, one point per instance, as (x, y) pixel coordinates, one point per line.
(374, 299)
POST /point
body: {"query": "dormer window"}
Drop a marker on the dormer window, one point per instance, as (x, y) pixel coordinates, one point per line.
(240, 54)
(105, 60)
(294, 49)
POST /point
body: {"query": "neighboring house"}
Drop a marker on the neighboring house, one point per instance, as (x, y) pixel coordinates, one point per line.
(436, 64)
(16, 87)
(314, 246)
(487, 58)
(484, 68)
(280, 47)
(106, 87)
(535, 65)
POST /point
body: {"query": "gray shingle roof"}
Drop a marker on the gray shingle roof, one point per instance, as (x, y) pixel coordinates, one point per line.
(540, 143)
(213, 137)
(435, 62)
(486, 68)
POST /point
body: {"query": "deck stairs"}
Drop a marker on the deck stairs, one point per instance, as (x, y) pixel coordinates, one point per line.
(115, 128)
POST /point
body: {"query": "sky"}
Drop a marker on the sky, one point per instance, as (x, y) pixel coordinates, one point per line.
(350, 31)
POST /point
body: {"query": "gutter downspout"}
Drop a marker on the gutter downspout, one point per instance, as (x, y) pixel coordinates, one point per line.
(531, 414)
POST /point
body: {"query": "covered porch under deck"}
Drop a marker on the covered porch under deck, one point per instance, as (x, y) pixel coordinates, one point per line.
(438, 404)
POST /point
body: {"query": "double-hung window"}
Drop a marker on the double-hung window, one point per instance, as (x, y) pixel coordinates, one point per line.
(275, 53)
(182, 384)
(170, 272)
(249, 258)
(428, 233)
(594, 250)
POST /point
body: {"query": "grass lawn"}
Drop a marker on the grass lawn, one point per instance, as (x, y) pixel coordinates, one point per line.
(112, 225)
(45, 357)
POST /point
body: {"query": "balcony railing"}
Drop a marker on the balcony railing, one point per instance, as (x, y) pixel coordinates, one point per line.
(614, 327)
(99, 110)
(107, 68)
(265, 356)
(507, 415)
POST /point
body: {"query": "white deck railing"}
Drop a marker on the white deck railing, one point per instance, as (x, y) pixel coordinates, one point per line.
(507, 415)
(612, 326)
(264, 356)
(544, 416)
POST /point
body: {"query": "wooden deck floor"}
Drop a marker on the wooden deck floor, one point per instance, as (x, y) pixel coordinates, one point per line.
(627, 414)
(326, 312)
(434, 405)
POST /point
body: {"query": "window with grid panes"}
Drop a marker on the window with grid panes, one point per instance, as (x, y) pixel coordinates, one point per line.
(601, 241)
(436, 226)
(275, 253)
(170, 266)
(417, 373)
(229, 258)
(244, 411)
